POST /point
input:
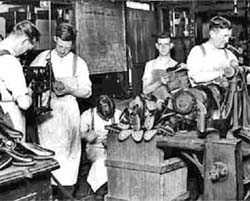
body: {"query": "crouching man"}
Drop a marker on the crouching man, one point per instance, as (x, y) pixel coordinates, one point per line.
(93, 123)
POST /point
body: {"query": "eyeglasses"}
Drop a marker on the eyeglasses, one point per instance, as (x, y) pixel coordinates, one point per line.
(163, 44)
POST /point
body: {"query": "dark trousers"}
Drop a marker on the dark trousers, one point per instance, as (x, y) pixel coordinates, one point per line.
(59, 194)
(82, 187)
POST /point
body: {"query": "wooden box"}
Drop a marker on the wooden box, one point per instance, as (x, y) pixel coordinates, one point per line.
(30, 183)
(138, 172)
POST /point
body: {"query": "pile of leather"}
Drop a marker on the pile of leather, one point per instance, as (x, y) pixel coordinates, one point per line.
(13, 150)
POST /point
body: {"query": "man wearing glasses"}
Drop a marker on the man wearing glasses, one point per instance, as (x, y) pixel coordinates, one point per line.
(206, 62)
(153, 76)
(15, 95)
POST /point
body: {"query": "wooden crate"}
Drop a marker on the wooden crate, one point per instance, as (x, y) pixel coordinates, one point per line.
(138, 172)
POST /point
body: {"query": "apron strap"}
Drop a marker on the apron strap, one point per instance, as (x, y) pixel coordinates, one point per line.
(74, 64)
(92, 125)
(204, 51)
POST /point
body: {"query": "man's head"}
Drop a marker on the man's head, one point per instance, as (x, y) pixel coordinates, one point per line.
(105, 107)
(64, 38)
(163, 43)
(220, 31)
(25, 35)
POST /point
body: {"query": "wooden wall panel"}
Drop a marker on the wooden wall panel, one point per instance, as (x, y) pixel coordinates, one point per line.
(101, 35)
(140, 27)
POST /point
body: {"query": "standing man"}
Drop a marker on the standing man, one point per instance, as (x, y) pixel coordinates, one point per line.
(206, 62)
(60, 131)
(15, 95)
(155, 69)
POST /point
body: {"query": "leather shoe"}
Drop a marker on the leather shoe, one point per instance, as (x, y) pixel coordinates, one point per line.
(149, 134)
(9, 147)
(137, 135)
(9, 131)
(124, 134)
(5, 160)
(34, 151)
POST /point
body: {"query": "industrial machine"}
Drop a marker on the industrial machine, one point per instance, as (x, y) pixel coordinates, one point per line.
(41, 79)
(207, 126)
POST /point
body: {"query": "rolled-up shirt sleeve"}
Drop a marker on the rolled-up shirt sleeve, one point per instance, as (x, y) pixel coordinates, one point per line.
(195, 63)
(82, 75)
(14, 78)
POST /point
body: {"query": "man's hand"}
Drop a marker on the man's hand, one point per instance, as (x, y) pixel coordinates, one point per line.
(60, 88)
(222, 81)
(165, 79)
(91, 137)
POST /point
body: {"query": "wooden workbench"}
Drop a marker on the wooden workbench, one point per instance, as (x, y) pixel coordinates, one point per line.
(213, 150)
(140, 172)
(145, 171)
(27, 183)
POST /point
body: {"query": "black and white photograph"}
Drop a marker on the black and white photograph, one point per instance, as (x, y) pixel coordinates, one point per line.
(124, 100)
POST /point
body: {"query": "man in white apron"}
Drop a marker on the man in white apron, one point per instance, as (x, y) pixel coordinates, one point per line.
(60, 131)
(93, 123)
(15, 95)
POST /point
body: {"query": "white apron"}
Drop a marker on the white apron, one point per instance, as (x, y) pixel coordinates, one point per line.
(61, 134)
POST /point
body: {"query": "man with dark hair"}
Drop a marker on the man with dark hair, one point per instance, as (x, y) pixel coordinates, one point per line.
(15, 95)
(93, 123)
(155, 69)
(60, 131)
(207, 61)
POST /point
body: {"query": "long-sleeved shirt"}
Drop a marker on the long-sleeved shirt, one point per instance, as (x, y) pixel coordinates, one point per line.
(207, 63)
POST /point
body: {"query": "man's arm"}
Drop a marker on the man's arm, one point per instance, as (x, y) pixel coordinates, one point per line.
(147, 79)
(148, 88)
(78, 86)
(16, 85)
(195, 62)
(86, 131)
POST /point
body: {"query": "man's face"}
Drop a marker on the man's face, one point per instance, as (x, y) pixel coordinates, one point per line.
(220, 37)
(164, 46)
(63, 47)
(105, 110)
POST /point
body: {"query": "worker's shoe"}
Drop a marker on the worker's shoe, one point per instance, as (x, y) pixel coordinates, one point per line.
(137, 135)
(124, 134)
(149, 122)
(135, 122)
(8, 131)
(35, 151)
(166, 130)
(123, 126)
(149, 134)
(124, 117)
(5, 160)
(10, 147)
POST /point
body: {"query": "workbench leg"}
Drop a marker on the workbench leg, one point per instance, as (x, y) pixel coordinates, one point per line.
(223, 172)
